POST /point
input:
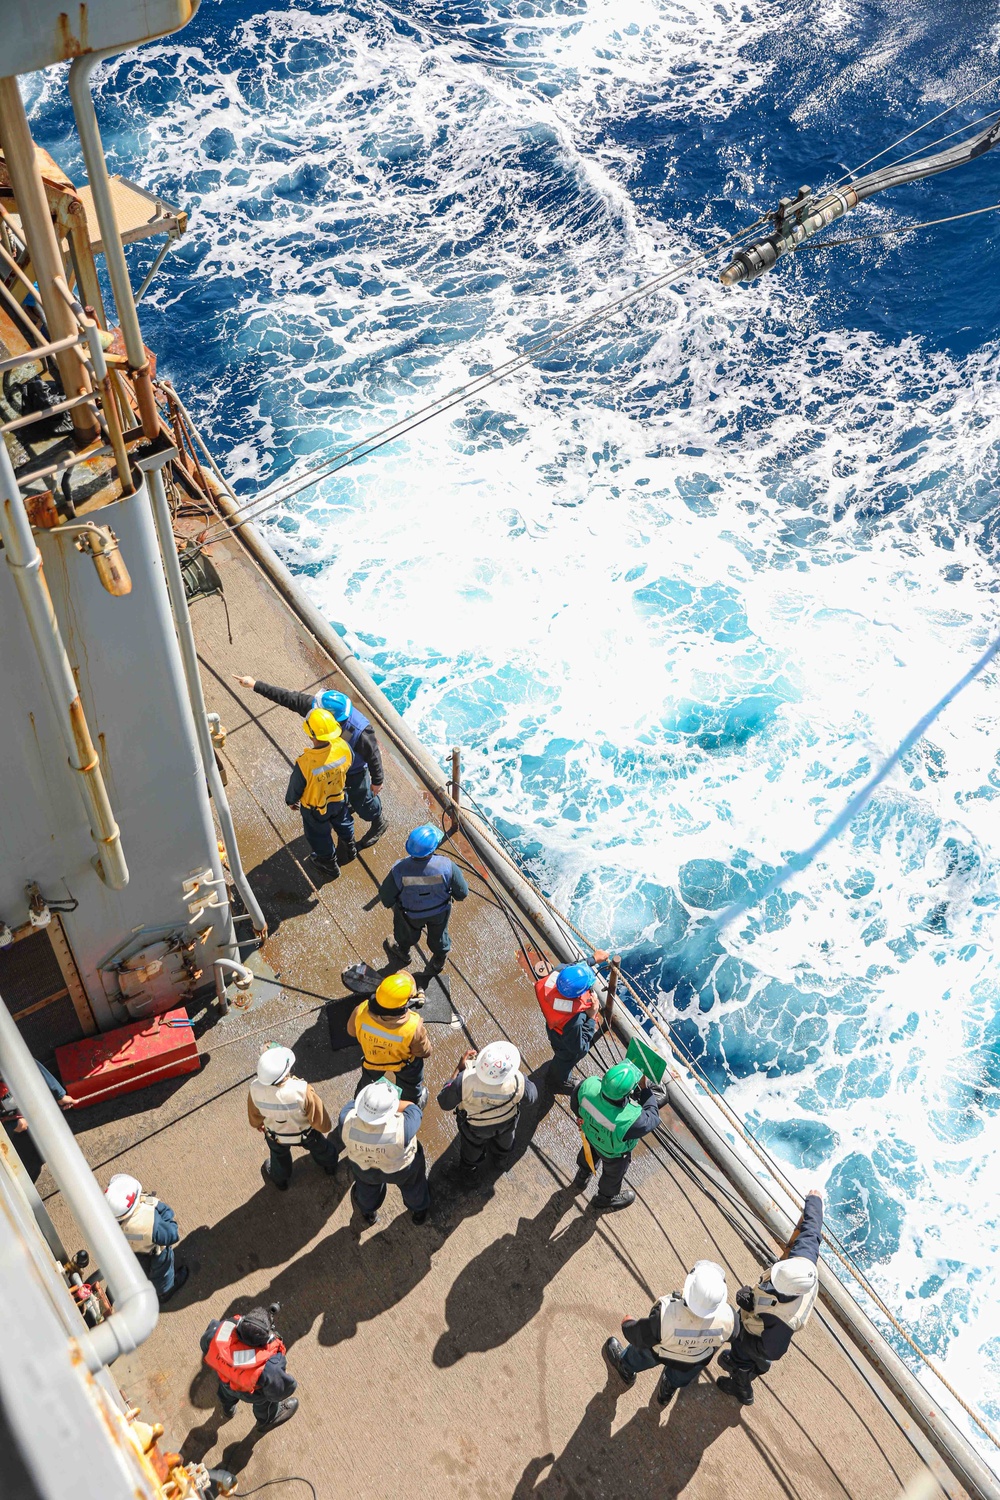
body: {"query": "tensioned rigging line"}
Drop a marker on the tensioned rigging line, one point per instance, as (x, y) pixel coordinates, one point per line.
(853, 172)
(879, 234)
(535, 350)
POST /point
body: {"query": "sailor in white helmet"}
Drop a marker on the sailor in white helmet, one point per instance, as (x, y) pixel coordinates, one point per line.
(378, 1131)
(486, 1092)
(151, 1230)
(776, 1308)
(290, 1113)
(681, 1333)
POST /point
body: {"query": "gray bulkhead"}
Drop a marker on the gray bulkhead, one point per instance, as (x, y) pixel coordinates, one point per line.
(125, 657)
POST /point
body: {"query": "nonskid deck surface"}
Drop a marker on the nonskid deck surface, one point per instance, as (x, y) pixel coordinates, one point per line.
(461, 1358)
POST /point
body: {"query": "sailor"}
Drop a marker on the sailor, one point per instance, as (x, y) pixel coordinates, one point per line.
(290, 1113)
(419, 891)
(364, 779)
(11, 1115)
(249, 1358)
(486, 1092)
(570, 1006)
(151, 1230)
(776, 1308)
(613, 1113)
(317, 786)
(681, 1333)
(378, 1131)
(392, 1037)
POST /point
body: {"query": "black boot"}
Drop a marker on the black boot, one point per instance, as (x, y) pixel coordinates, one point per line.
(265, 1173)
(614, 1353)
(665, 1390)
(285, 1413)
(328, 867)
(346, 853)
(610, 1205)
(374, 833)
(737, 1385)
(181, 1274)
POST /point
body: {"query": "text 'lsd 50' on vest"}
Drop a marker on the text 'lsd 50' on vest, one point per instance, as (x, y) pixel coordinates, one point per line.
(687, 1338)
(377, 1148)
(424, 885)
(795, 1313)
(238, 1365)
(138, 1227)
(325, 771)
(386, 1048)
(487, 1104)
(604, 1123)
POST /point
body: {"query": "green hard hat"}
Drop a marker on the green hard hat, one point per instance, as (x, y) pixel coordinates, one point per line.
(619, 1081)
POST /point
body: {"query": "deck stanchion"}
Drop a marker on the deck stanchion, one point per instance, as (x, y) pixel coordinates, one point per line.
(456, 774)
(612, 989)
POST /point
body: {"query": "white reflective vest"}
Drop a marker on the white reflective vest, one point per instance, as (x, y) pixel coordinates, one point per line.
(138, 1227)
(377, 1148)
(283, 1107)
(794, 1314)
(684, 1336)
(488, 1104)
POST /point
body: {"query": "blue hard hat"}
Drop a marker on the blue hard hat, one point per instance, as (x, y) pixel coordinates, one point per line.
(337, 704)
(423, 840)
(575, 981)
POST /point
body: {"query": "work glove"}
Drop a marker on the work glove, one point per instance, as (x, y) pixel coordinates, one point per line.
(744, 1298)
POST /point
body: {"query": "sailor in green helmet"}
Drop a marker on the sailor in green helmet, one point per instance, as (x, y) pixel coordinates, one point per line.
(613, 1113)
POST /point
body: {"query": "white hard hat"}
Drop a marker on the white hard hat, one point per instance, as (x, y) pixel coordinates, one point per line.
(275, 1064)
(376, 1102)
(705, 1288)
(497, 1062)
(122, 1193)
(794, 1277)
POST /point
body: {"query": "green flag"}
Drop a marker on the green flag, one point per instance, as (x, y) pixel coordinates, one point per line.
(652, 1064)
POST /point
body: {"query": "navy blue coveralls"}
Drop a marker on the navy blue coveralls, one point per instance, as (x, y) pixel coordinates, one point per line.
(274, 1384)
(158, 1264)
(419, 893)
(358, 735)
(752, 1354)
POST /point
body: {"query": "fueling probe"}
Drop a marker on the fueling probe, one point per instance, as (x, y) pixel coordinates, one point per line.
(798, 219)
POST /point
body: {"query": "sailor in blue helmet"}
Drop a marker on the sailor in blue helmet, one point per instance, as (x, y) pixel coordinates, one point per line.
(364, 780)
(419, 891)
(570, 1006)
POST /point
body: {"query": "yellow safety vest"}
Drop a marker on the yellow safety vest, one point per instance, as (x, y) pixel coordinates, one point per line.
(325, 771)
(386, 1047)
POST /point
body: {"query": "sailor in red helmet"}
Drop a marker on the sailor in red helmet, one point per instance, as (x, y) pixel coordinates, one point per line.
(570, 1006)
(249, 1358)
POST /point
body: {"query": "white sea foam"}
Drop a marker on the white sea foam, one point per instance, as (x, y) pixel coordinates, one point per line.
(641, 594)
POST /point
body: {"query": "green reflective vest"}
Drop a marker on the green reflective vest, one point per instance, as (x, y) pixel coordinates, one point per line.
(604, 1123)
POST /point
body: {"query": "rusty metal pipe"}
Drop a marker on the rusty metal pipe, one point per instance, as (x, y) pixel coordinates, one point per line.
(136, 1306)
(25, 563)
(456, 774)
(114, 252)
(19, 152)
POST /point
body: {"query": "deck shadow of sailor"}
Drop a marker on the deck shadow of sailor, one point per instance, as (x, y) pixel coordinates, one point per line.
(499, 1292)
(350, 1277)
(659, 1451)
(201, 1440)
(267, 1230)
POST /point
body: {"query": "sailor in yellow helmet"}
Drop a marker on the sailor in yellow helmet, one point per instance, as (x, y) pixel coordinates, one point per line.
(392, 1037)
(317, 786)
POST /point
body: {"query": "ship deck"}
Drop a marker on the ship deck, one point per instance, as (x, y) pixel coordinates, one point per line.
(463, 1357)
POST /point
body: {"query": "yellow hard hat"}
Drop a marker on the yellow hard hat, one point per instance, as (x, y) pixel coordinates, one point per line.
(395, 991)
(321, 725)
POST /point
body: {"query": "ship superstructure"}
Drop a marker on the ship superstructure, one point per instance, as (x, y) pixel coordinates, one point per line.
(474, 1342)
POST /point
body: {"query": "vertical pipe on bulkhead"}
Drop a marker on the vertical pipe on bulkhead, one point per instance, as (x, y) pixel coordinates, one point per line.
(19, 152)
(25, 563)
(114, 252)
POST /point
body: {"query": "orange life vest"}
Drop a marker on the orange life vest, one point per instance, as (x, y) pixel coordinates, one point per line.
(556, 1009)
(238, 1365)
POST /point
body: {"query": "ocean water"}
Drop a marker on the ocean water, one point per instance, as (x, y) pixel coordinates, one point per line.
(679, 590)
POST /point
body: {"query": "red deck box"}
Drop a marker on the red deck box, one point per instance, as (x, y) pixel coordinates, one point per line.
(129, 1058)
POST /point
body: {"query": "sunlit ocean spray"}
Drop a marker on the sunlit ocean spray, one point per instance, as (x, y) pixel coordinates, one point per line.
(679, 590)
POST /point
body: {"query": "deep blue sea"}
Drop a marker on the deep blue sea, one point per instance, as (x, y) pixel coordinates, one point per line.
(678, 591)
